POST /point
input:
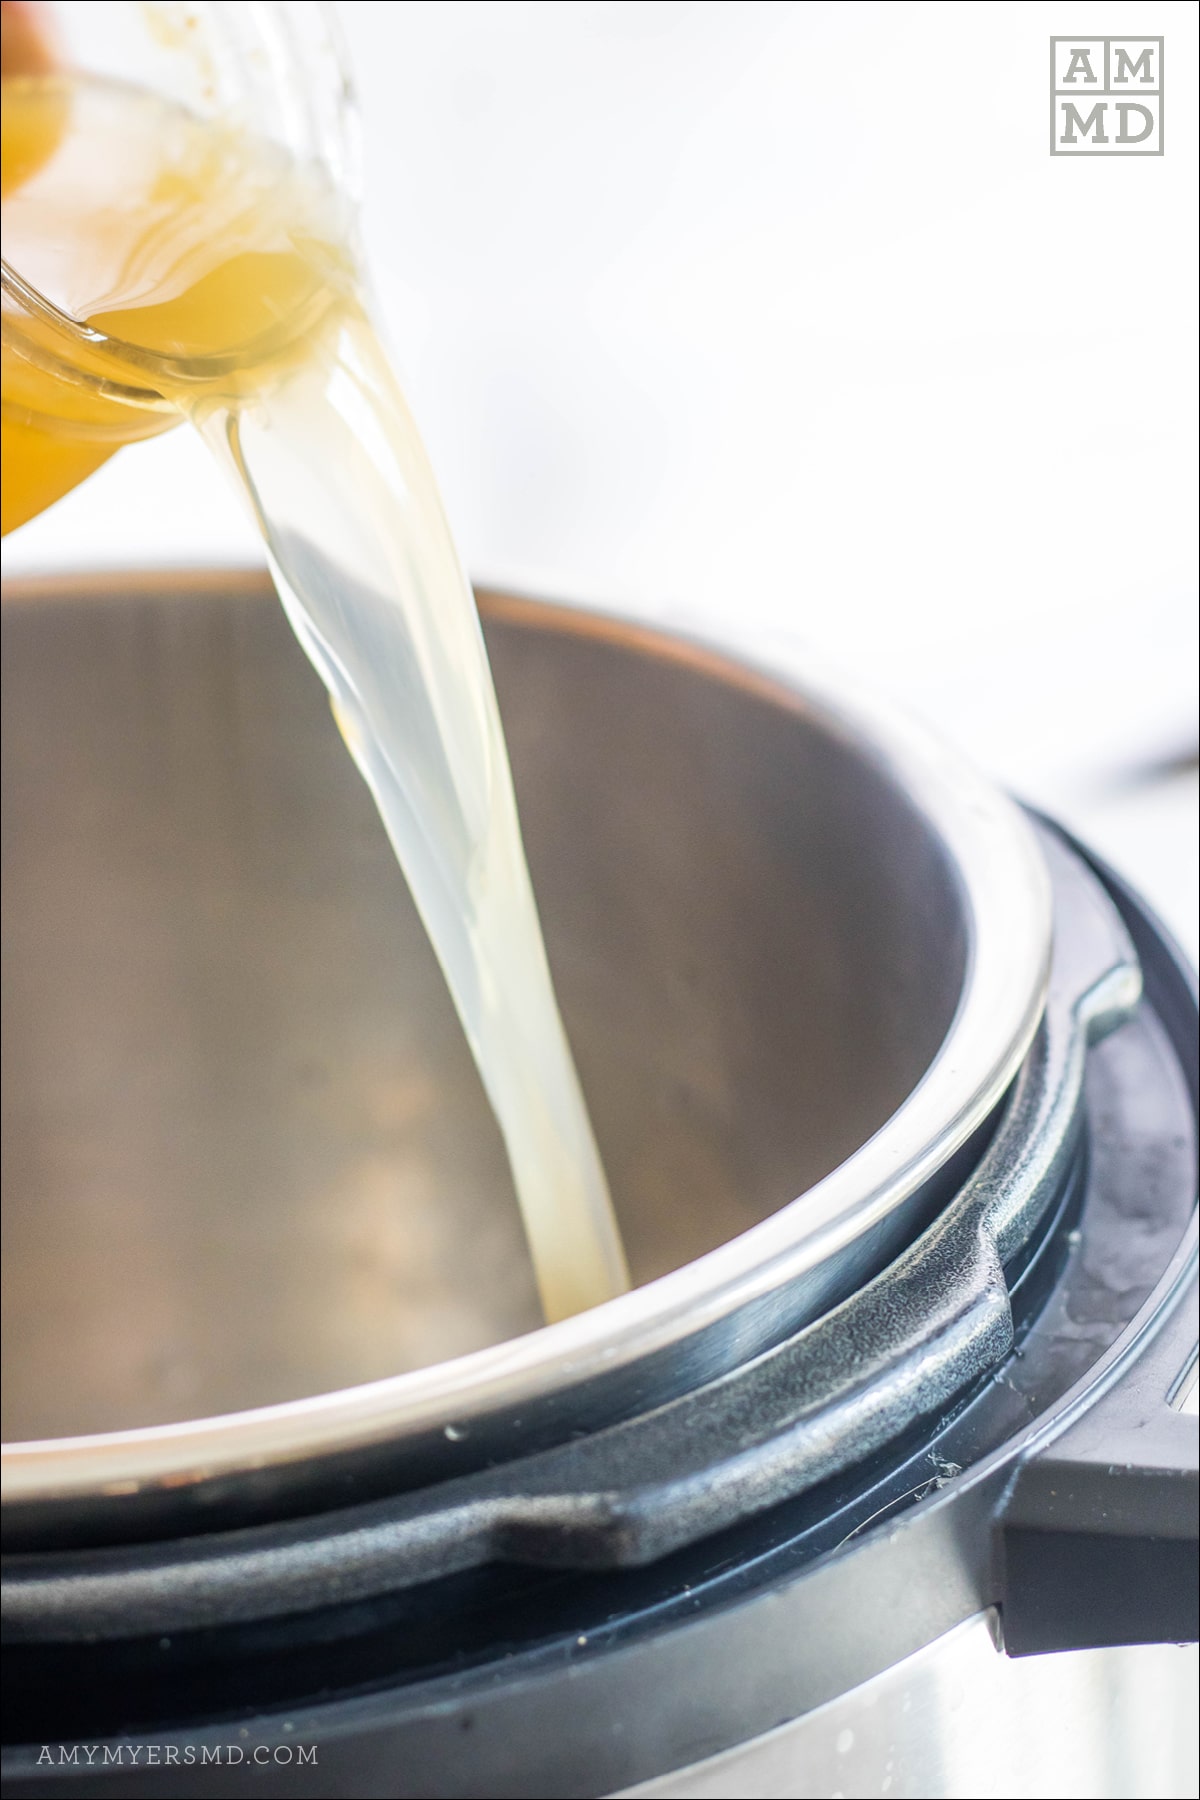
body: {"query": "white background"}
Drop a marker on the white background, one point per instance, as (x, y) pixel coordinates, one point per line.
(783, 313)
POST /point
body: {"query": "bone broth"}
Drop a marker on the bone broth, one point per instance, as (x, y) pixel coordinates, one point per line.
(210, 279)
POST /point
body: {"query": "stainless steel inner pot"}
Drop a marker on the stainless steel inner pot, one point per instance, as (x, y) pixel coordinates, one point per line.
(256, 1208)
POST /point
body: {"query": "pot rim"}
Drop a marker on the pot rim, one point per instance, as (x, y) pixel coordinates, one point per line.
(1005, 892)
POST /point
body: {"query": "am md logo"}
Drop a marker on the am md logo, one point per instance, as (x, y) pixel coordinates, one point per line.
(1106, 96)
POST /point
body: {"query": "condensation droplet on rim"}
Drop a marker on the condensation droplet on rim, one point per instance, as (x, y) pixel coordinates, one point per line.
(845, 1741)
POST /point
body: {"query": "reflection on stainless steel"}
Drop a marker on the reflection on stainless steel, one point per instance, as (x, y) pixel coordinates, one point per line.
(247, 1160)
(957, 1719)
(1186, 1396)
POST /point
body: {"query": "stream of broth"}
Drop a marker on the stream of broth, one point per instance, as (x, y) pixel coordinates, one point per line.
(214, 281)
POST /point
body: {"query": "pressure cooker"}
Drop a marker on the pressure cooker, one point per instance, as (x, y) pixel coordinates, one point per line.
(881, 1480)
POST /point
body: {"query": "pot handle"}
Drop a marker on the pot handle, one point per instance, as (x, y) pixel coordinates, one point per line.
(1099, 1529)
(903, 1348)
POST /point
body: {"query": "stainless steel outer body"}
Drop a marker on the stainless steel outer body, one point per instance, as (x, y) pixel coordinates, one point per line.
(959, 1717)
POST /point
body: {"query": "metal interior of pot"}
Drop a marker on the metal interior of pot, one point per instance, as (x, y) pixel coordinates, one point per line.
(246, 1154)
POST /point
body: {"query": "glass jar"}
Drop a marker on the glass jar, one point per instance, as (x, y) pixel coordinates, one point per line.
(70, 395)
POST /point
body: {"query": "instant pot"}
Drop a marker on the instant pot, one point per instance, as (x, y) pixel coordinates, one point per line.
(896, 1087)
